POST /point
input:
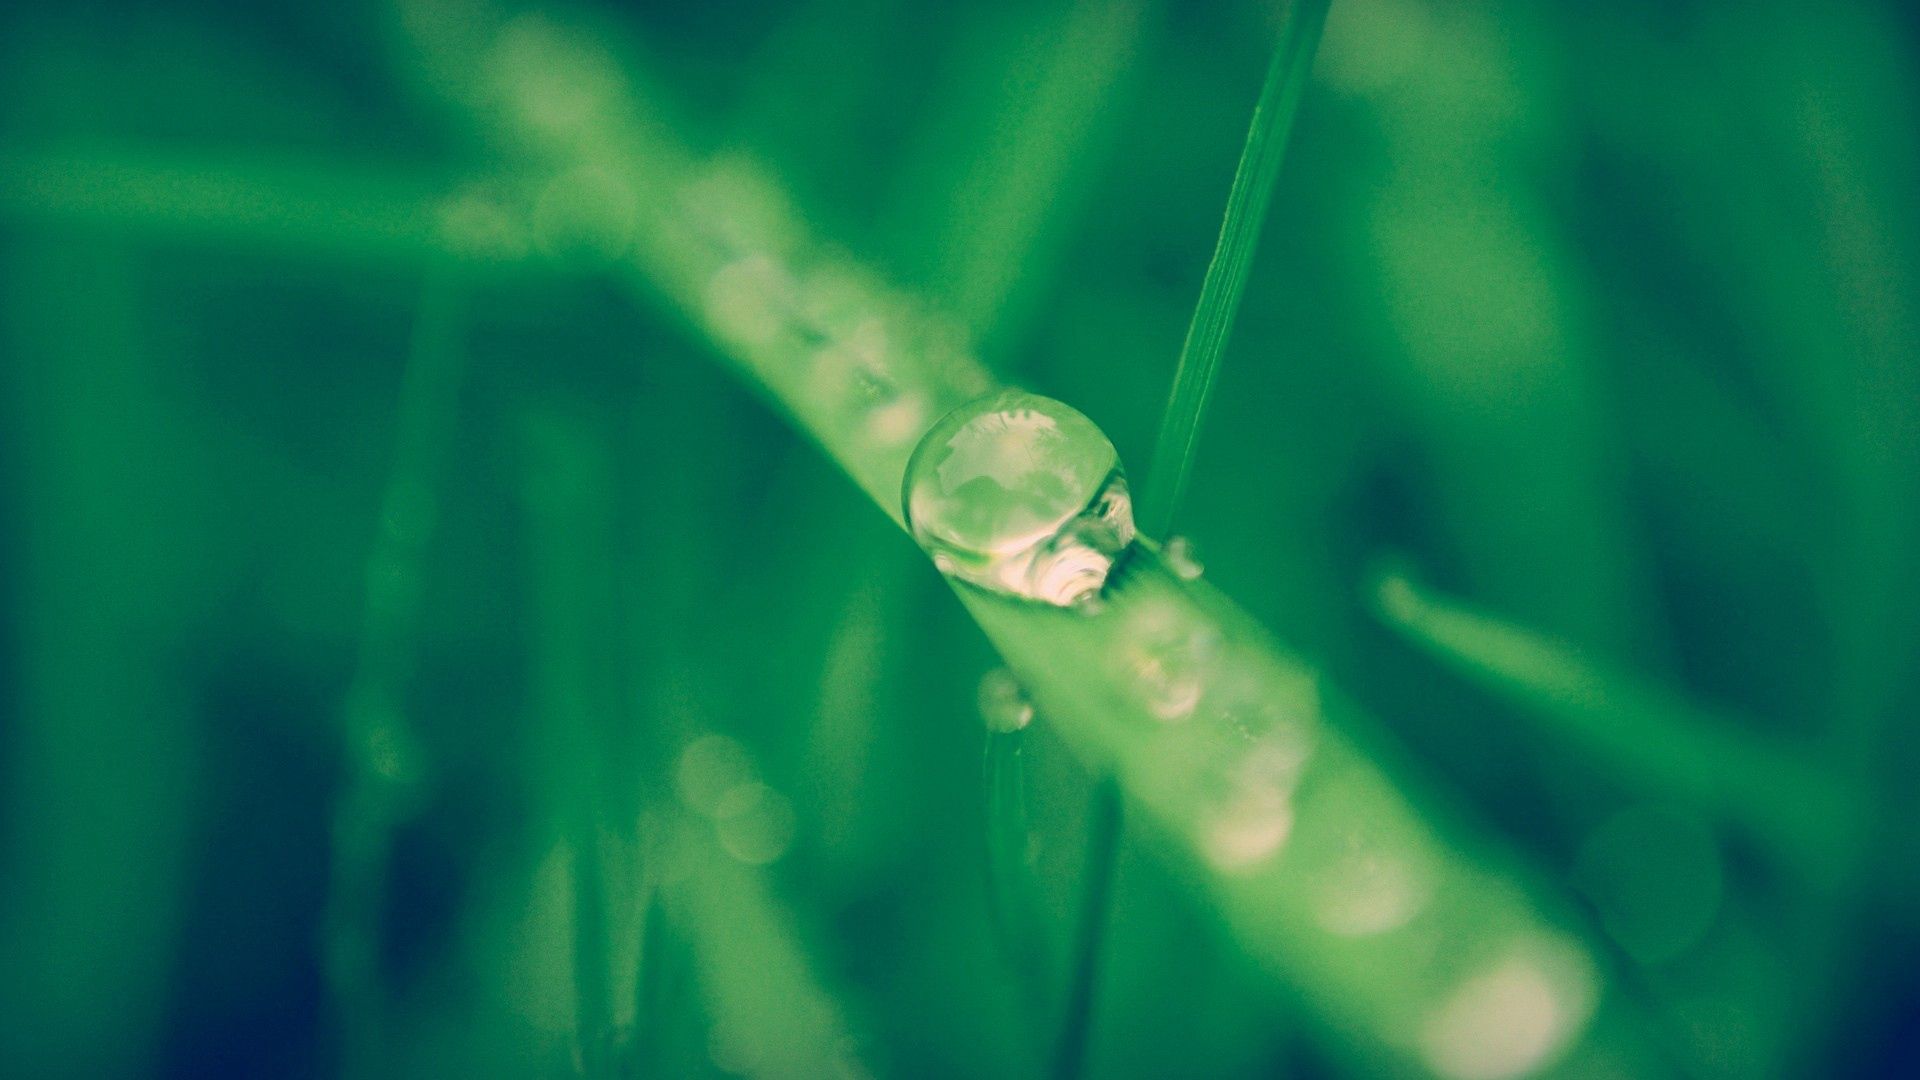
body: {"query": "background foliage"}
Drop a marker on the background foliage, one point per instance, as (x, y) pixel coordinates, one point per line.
(1592, 327)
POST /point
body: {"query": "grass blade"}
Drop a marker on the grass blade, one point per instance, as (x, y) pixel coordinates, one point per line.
(381, 758)
(567, 492)
(1262, 790)
(1009, 867)
(1638, 730)
(1096, 899)
(1226, 278)
(1000, 228)
(1206, 341)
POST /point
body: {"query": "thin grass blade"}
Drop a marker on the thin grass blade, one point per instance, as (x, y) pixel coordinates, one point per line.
(1226, 279)
(380, 748)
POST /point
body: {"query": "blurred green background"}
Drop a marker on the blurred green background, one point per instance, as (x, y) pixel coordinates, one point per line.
(1601, 318)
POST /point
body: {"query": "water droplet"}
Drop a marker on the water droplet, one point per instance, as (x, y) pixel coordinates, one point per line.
(1003, 704)
(1022, 496)
(1514, 1017)
(1170, 659)
(709, 768)
(1256, 817)
(1178, 555)
(755, 823)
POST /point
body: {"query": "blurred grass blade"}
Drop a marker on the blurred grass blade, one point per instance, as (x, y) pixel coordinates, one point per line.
(1010, 886)
(1226, 278)
(999, 232)
(307, 206)
(568, 491)
(1096, 898)
(1636, 730)
(381, 758)
(771, 1014)
(105, 755)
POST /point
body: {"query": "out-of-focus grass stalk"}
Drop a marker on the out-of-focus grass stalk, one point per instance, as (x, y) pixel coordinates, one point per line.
(380, 756)
(1206, 342)
(1105, 823)
(101, 805)
(1636, 730)
(1007, 801)
(1226, 277)
(771, 1015)
(655, 987)
(565, 492)
(997, 240)
(1411, 948)
(310, 206)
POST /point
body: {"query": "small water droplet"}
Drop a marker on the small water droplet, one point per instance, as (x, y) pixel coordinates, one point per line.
(1514, 1017)
(1022, 496)
(1003, 703)
(755, 823)
(1179, 557)
(1170, 658)
(709, 768)
(1256, 817)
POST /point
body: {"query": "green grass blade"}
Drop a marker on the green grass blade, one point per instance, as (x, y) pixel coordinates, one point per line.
(303, 206)
(1010, 887)
(1634, 729)
(772, 1014)
(382, 760)
(1206, 341)
(999, 235)
(567, 495)
(1226, 278)
(107, 759)
(1090, 932)
(1230, 747)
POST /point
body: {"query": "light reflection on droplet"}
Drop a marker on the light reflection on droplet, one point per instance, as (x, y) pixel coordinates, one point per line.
(1513, 1017)
(1023, 496)
(708, 769)
(1003, 702)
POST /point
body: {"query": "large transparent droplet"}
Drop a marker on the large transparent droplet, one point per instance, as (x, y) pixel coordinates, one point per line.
(1020, 495)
